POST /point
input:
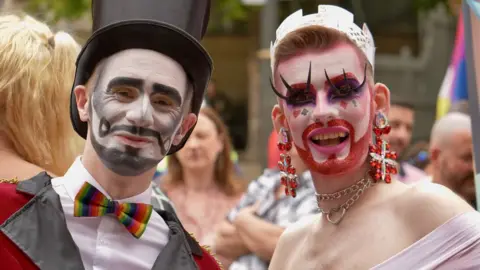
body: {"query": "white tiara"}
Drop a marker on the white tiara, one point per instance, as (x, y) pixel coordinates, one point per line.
(331, 17)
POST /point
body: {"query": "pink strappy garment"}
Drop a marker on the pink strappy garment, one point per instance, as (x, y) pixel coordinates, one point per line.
(455, 245)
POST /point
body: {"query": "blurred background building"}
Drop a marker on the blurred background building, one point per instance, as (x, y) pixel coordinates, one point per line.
(414, 40)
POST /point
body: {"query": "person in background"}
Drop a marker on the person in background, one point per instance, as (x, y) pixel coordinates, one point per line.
(418, 156)
(247, 238)
(163, 165)
(451, 155)
(401, 118)
(201, 182)
(37, 68)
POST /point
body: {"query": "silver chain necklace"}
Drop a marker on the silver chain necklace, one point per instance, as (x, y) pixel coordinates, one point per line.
(340, 210)
(337, 195)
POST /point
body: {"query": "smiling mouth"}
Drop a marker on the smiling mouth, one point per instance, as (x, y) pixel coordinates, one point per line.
(133, 141)
(329, 139)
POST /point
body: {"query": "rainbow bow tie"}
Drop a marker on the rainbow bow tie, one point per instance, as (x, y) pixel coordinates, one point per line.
(90, 202)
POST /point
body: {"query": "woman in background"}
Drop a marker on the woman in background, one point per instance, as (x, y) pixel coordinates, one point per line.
(201, 182)
(36, 74)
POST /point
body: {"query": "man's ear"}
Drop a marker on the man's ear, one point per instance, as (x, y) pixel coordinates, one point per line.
(188, 122)
(82, 99)
(434, 154)
(278, 118)
(381, 98)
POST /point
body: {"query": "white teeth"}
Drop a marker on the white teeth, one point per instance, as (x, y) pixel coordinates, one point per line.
(327, 136)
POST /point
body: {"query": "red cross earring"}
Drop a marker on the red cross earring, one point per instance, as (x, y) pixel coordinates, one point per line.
(288, 172)
(382, 160)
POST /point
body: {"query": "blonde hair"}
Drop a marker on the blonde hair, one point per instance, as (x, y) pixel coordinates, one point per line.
(313, 38)
(37, 71)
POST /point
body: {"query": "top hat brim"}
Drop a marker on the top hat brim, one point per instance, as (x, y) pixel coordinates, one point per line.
(144, 34)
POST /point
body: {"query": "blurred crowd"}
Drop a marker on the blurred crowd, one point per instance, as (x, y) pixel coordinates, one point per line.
(241, 219)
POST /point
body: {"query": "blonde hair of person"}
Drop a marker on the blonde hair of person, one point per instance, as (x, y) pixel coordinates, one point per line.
(37, 69)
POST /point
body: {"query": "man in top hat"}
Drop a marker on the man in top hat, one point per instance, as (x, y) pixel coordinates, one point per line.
(138, 88)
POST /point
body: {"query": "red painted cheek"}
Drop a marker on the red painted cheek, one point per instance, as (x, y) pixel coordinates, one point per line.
(356, 157)
(357, 107)
(296, 113)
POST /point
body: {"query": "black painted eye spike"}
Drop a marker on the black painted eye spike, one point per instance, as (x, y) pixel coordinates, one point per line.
(275, 90)
(309, 76)
(339, 91)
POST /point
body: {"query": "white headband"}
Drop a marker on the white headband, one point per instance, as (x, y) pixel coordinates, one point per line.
(330, 17)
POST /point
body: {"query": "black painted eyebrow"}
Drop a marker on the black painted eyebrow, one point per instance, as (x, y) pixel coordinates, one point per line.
(291, 93)
(126, 81)
(139, 84)
(169, 91)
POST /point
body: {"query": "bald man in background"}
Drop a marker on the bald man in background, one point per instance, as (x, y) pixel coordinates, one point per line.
(451, 155)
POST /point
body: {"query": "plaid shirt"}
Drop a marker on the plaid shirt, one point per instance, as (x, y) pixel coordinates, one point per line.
(282, 211)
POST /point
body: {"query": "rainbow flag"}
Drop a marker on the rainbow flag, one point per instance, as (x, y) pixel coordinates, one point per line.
(454, 85)
(471, 14)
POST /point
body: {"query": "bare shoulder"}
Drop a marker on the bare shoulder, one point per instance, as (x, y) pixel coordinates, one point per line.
(292, 236)
(299, 229)
(426, 206)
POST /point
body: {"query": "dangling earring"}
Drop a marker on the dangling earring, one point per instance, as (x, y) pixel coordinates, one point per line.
(382, 160)
(288, 172)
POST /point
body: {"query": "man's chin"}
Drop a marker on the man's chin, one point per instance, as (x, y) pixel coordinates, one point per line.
(330, 167)
(124, 162)
(397, 148)
(334, 167)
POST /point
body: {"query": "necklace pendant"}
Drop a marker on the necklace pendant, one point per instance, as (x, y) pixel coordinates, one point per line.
(336, 215)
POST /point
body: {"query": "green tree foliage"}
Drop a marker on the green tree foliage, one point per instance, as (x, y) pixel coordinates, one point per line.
(425, 5)
(54, 10)
(227, 10)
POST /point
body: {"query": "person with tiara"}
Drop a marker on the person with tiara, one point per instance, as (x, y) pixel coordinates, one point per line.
(334, 113)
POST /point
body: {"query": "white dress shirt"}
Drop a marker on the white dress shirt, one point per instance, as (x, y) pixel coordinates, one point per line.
(105, 243)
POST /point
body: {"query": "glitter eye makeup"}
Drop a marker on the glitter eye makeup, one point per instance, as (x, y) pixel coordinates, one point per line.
(298, 94)
(345, 86)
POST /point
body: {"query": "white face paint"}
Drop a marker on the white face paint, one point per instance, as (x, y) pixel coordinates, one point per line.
(317, 126)
(136, 109)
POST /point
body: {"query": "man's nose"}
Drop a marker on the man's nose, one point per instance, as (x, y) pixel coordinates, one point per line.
(324, 109)
(141, 114)
(403, 132)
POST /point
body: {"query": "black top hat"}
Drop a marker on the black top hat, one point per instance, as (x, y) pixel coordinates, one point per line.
(170, 27)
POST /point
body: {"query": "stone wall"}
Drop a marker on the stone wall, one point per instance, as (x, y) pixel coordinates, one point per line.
(418, 79)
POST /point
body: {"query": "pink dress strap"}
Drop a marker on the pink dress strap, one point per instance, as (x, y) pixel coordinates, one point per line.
(453, 245)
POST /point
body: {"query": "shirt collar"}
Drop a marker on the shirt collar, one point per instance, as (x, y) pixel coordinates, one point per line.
(77, 175)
